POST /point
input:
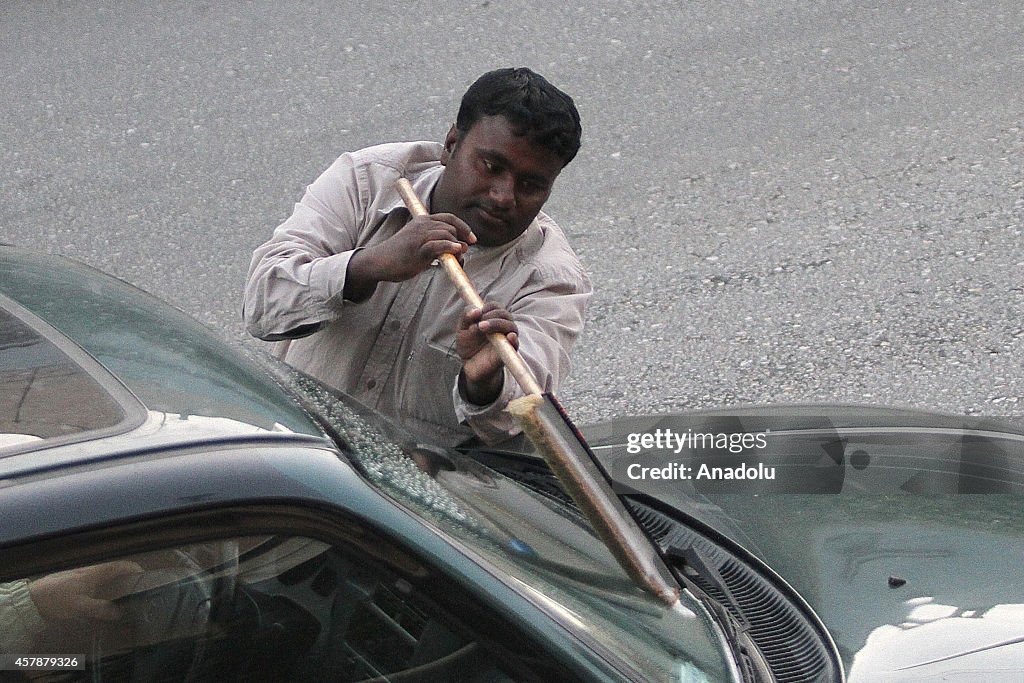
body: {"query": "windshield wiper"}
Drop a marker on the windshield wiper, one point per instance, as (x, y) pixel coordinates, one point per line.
(690, 565)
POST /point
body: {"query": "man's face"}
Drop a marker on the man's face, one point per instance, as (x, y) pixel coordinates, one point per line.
(494, 180)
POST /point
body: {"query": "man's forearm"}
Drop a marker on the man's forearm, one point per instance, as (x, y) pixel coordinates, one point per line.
(360, 279)
(289, 295)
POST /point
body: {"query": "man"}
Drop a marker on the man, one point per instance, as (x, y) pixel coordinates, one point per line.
(352, 285)
(62, 606)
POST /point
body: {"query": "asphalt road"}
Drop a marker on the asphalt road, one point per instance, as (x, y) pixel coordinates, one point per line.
(777, 201)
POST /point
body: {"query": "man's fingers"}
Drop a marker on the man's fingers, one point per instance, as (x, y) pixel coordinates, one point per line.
(497, 325)
(434, 248)
(115, 569)
(112, 580)
(470, 317)
(94, 608)
(428, 228)
(448, 224)
(490, 319)
(495, 319)
(492, 311)
(462, 230)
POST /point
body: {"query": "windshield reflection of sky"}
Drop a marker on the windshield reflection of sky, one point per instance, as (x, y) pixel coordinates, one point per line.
(203, 425)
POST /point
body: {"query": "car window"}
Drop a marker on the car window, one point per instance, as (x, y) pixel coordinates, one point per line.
(248, 608)
(44, 393)
(168, 360)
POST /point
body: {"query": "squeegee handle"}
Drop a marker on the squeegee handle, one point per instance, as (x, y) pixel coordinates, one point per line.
(508, 354)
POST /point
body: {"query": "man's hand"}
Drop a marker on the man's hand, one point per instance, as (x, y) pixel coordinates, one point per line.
(72, 594)
(482, 376)
(407, 253)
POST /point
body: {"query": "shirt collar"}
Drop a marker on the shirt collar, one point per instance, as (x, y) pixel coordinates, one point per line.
(423, 182)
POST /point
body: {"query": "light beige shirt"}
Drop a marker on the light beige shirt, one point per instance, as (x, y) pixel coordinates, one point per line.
(395, 351)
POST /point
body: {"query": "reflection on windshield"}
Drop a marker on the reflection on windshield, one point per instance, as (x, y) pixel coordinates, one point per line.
(545, 549)
(198, 425)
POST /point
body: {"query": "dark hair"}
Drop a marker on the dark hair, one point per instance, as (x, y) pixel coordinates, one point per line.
(534, 107)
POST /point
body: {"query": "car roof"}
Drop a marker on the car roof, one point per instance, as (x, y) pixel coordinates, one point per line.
(171, 378)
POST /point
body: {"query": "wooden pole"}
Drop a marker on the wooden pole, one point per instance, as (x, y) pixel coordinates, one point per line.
(508, 354)
(566, 451)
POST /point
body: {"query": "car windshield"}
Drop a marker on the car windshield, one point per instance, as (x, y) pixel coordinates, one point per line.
(545, 549)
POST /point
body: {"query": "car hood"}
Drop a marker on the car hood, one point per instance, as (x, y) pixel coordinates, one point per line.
(902, 530)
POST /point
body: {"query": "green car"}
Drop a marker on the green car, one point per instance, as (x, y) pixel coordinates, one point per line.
(177, 509)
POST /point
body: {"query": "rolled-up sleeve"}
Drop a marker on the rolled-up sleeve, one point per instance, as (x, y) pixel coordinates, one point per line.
(19, 616)
(296, 279)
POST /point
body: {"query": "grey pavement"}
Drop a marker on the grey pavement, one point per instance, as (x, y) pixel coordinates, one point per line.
(777, 201)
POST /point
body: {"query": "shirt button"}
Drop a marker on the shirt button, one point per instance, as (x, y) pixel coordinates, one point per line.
(371, 384)
(394, 325)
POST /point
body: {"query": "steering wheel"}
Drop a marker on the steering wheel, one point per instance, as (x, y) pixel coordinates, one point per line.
(163, 632)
